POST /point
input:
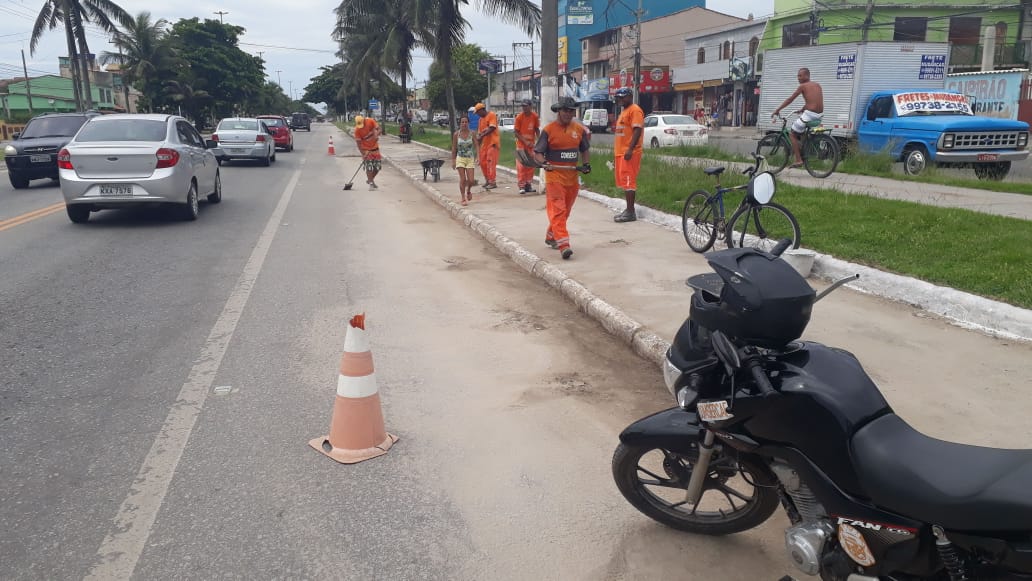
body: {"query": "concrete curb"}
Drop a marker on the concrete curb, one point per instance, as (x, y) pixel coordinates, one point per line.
(963, 309)
(642, 340)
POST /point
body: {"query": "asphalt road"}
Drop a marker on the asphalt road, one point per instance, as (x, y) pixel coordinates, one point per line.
(162, 378)
(744, 143)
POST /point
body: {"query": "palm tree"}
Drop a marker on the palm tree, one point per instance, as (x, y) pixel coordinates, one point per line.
(439, 27)
(52, 14)
(143, 51)
(75, 15)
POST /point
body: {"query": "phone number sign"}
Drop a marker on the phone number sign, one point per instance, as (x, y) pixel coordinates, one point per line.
(933, 66)
(908, 103)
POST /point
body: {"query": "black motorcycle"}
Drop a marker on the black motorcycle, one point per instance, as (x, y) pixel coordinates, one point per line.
(764, 419)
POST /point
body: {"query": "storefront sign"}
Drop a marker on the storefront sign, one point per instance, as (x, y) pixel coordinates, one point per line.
(579, 12)
(990, 94)
(594, 90)
(653, 80)
(908, 103)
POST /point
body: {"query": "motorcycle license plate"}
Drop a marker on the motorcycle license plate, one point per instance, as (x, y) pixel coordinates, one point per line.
(988, 157)
(713, 411)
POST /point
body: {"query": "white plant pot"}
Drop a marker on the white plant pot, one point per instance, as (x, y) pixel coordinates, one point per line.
(801, 260)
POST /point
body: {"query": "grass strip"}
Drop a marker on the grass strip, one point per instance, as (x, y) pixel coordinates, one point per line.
(983, 254)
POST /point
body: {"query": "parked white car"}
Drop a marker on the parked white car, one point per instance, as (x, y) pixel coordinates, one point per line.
(507, 124)
(673, 130)
(121, 161)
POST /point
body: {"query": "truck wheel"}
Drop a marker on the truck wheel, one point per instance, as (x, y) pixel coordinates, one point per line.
(915, 160)
(992, 171)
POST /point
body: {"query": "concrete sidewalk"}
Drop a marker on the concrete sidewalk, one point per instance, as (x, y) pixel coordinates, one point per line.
(638, 269)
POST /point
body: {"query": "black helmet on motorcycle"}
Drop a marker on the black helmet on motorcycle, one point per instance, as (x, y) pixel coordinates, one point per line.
(763, 301)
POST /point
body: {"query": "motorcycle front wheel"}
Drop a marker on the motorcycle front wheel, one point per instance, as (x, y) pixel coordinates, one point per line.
(739, 493)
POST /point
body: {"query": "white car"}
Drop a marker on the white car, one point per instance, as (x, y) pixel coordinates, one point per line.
(245, 138)
(673, 130)
(123, 161)
(507, 125)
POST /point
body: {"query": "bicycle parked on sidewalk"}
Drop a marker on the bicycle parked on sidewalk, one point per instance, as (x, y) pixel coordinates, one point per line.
(757, 222)
(819, 149)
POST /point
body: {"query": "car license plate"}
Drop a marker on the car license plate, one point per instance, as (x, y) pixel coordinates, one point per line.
(116, 190)
(988, 157)
(39, 158)
(713, 411)
(237, 150)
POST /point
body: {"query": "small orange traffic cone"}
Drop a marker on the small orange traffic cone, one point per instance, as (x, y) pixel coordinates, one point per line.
(329, 149)
(356, 429)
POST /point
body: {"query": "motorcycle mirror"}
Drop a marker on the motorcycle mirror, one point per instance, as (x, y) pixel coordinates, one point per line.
(762, 187)
(725, 350)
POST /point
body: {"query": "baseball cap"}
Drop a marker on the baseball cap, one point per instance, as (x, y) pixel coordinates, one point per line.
(527, 102)
(479, 106)
(359, 119)
(623, 92)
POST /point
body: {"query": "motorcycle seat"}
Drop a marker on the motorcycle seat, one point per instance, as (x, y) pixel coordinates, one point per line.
(957, 486)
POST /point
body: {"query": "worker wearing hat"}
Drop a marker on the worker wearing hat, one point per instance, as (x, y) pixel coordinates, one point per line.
(490, 145)
(561, 143)
(527, 127)
(627, 151)
(367, 137)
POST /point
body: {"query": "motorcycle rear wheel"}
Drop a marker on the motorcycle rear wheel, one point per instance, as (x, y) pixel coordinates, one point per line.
(739, 493)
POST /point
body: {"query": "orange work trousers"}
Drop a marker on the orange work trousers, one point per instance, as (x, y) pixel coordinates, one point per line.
(489, 162)
(559, 201)
(524, 174)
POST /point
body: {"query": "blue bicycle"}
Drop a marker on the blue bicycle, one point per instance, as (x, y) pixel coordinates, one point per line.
(757, 223)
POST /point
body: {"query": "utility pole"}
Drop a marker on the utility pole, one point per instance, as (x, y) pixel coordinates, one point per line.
(279, 80)
(868, 18)
(531, 45)
(637, 51)
(28, 84)
(221, 14)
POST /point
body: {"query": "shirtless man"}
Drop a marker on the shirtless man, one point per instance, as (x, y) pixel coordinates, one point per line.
(810, 114)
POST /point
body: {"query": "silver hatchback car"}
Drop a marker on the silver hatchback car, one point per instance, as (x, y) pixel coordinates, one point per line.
(122, 161)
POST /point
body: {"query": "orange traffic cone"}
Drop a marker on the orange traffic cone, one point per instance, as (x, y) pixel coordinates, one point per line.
(356, 429)
(329, 149)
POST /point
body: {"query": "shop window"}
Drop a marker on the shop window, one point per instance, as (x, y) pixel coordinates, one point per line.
(964, 30)
(727, 50)
(910, 29)
(702, 55)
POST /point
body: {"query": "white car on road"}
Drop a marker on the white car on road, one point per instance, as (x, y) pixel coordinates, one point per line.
(669, 130)
(245, 138)
(121, 161)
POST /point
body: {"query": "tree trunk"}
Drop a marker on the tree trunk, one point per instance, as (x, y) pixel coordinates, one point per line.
(84, 51)
(449, 93)
(404, 95)
(73, 62)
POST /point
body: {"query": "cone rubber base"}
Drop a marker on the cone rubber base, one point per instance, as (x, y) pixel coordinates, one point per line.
(345, 456)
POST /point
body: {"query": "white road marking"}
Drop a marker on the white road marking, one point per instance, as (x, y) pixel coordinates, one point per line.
(124, 544)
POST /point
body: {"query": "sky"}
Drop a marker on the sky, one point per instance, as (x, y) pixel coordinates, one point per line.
(293, 36)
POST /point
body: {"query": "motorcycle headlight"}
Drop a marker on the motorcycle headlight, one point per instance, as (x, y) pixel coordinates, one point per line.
(10, 150)
(670, 375)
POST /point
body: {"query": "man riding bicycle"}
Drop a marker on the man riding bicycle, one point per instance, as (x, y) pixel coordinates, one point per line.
(811, 113)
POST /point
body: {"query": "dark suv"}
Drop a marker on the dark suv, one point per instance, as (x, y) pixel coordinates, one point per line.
(300, 121)
(33, 153)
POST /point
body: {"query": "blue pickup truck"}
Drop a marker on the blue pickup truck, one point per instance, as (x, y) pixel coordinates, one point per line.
(921, 128)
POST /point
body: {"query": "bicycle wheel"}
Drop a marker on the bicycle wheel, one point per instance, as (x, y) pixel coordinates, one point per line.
(697, 221)
(762, 227)
(821, 155)
(776, 150)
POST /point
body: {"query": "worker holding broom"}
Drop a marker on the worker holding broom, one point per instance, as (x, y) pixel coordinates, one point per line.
(561, 144)
(367, 137)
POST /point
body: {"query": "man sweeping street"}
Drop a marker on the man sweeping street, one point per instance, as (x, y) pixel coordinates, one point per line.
(367, 137)
(527, 127)
(490, 145)
(561, 143)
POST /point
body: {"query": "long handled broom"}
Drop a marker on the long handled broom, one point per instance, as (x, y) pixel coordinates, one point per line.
(529, 161)
(351, 182)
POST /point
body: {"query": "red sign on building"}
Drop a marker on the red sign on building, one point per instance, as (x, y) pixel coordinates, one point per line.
(653, 80)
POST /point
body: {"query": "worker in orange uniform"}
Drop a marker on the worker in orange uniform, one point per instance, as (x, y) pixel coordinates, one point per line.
(527, 127)
(627, 151)
(561, 143)
(490, 144)
(367, 136)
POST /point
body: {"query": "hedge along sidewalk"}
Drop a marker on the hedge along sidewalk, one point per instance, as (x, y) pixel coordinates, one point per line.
(863, 218)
